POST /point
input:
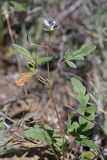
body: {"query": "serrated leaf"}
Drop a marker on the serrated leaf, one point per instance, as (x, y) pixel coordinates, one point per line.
(88, 143)
(91, 109)
(71, 64)
(78, 86)
(58, 142)
(83, 99)
(89, 113)
(73, 127)
(22, 51)
(80, 91)
(79, 54)
(37, 133)
(87, 125)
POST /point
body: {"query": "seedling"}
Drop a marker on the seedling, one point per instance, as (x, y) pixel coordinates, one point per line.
(79, 129)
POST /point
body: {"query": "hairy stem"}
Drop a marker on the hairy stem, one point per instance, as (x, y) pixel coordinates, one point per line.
(53, 100)
(50, 89)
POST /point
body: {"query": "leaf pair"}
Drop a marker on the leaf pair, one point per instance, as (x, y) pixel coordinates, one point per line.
(34, 58)
(33, 61)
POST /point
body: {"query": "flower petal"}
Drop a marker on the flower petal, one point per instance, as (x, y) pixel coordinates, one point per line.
(24, 78)
(46, 23)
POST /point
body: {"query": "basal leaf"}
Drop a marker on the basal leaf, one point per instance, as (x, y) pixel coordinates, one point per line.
(73, 127)
(37, 133)
(89, 155)
(87, 124)
(59, 140)
(88, 143)
(59, 143)
(22, 51)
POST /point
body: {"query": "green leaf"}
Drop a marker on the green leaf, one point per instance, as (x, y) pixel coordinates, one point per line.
(89, 113)
(37, 133)
(71, 64)
(73, 127)
(79, 54)
(22, 51)
(19, 6)
(85, 125)
(82, 99)
(48, 127)
(91, 109)
(88, 143)
(41, 60)
(89, 155)
(80, 91)
(78, 86)
(34, 56)
(58, 142)
(58, 139)
(105, 157)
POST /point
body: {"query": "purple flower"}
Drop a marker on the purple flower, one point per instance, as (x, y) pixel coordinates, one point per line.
(50, 25)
